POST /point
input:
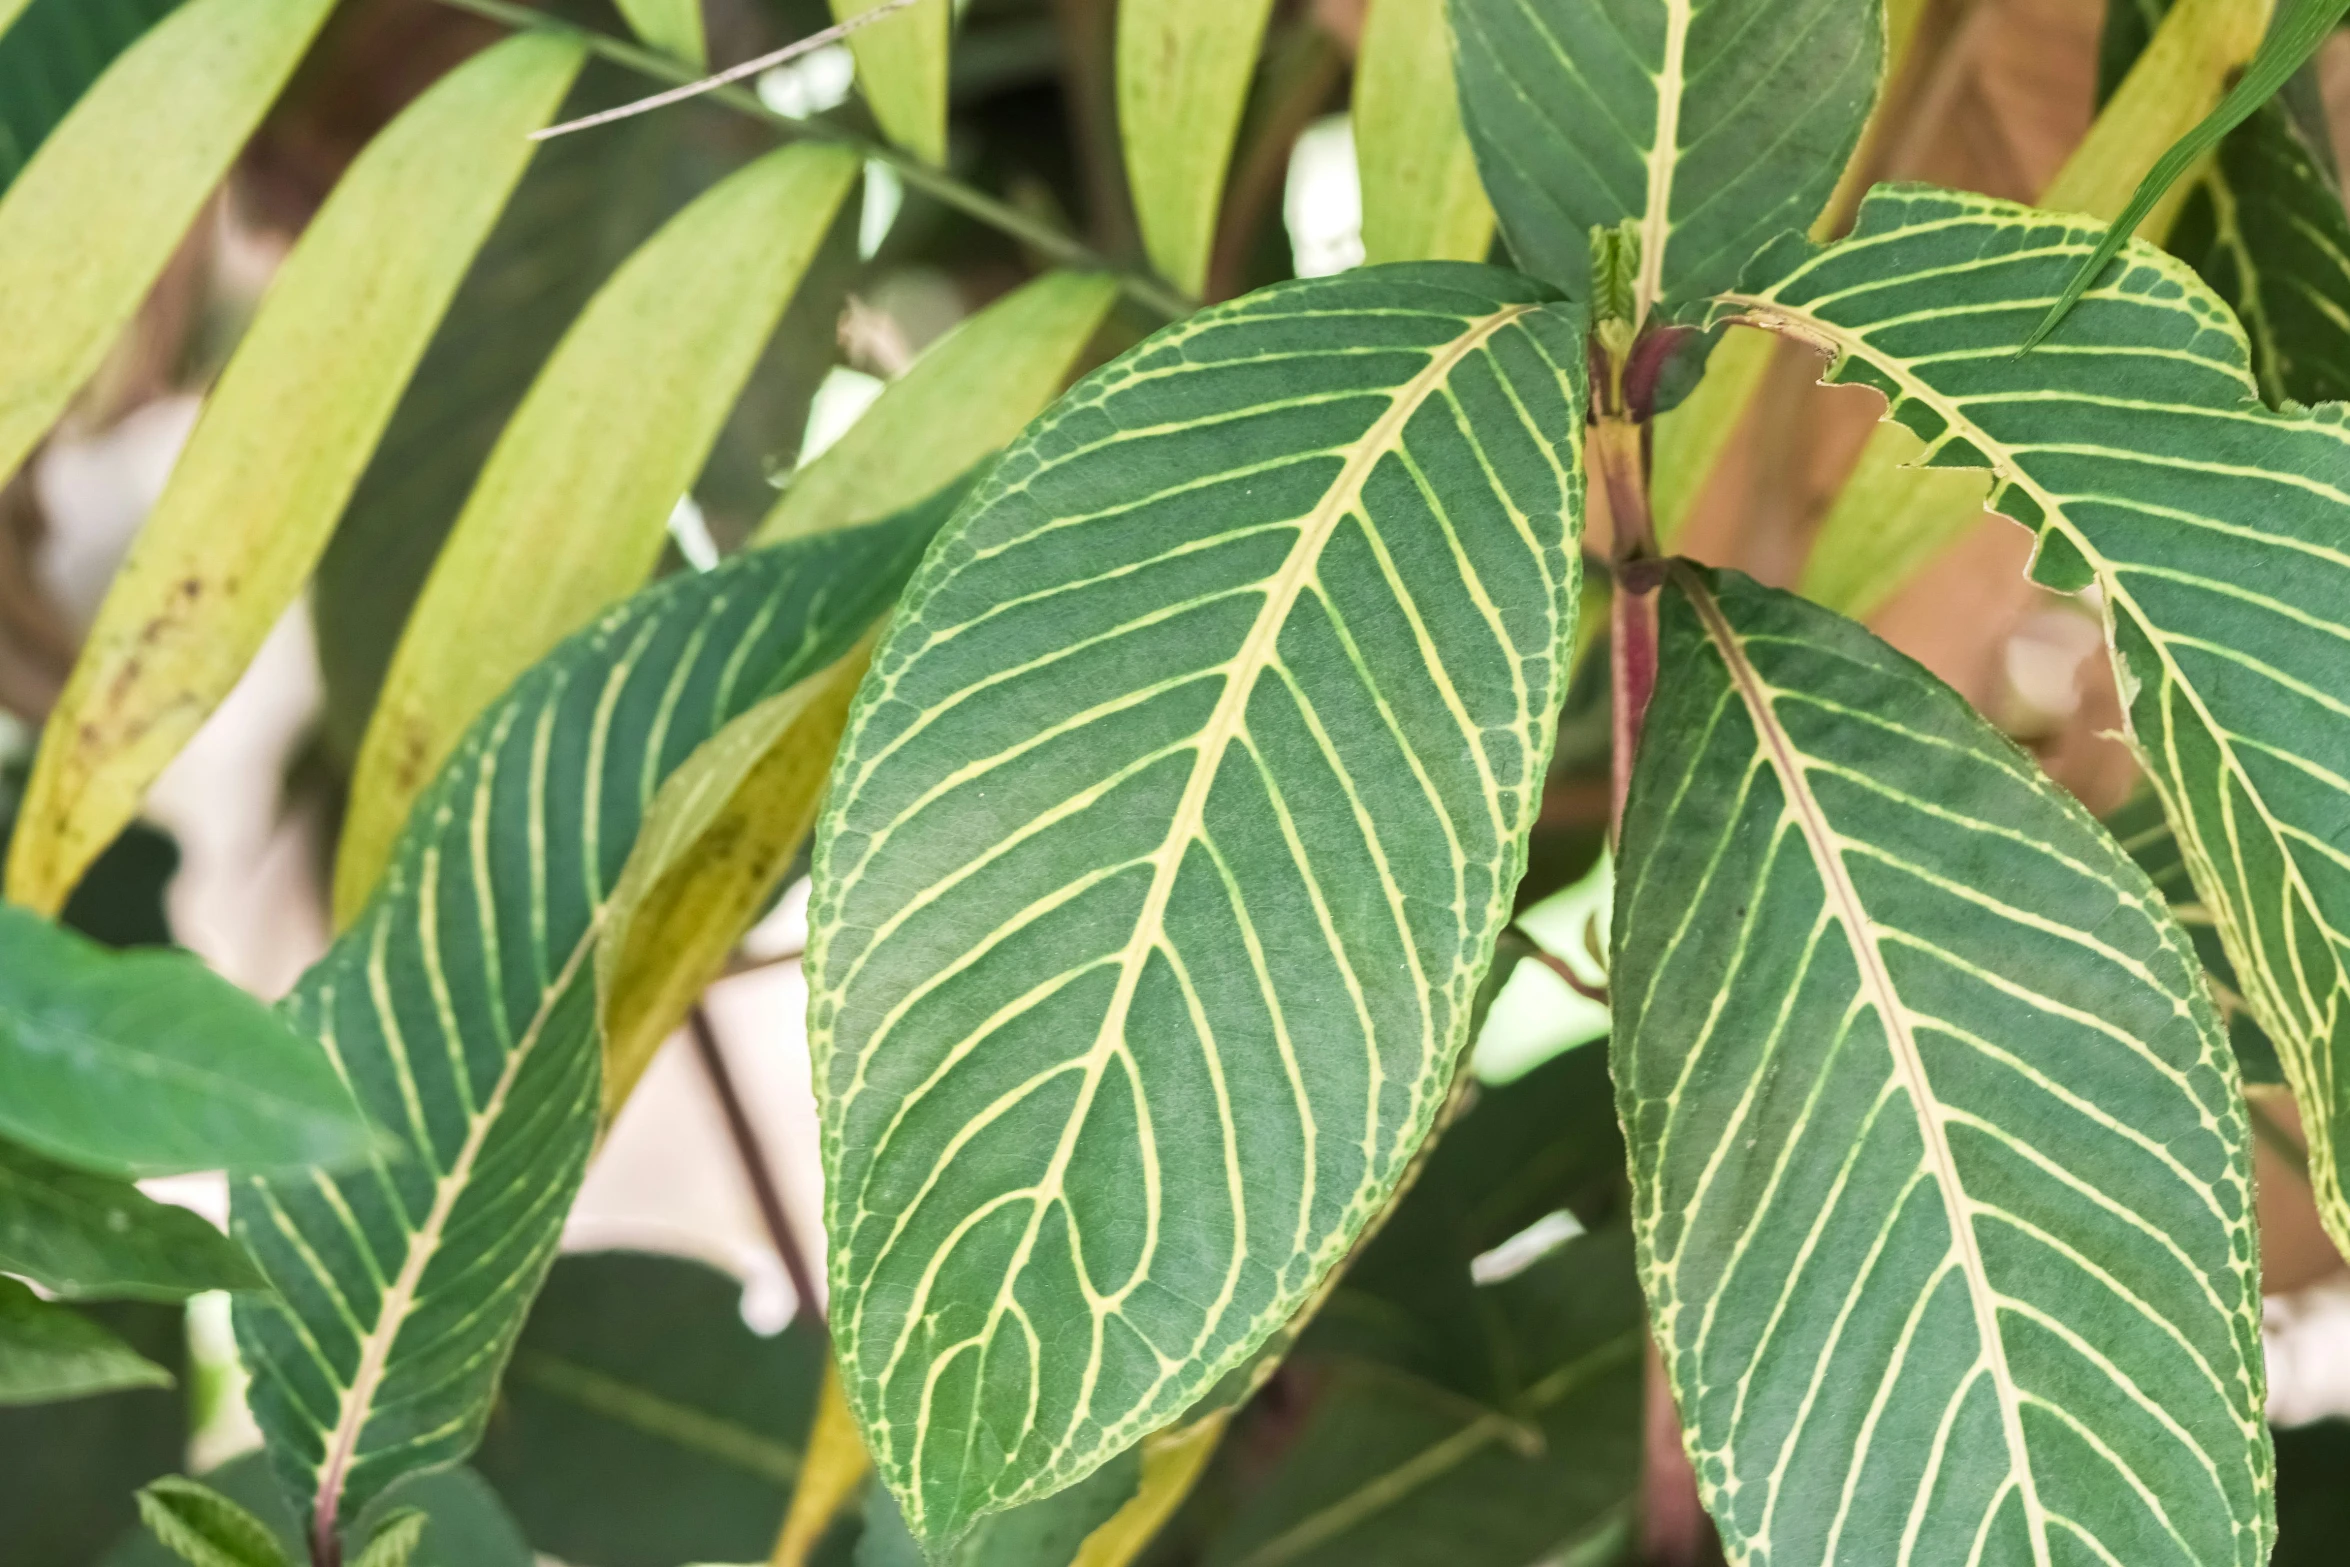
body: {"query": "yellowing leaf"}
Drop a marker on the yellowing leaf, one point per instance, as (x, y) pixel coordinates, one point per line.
(1171, 1465)
(1183, 75)
(968, 395)
(87, 227)
(570, 511)
(671, 26)
(281, 443)
(902, 67)
(836, 1465)
(1421, 197)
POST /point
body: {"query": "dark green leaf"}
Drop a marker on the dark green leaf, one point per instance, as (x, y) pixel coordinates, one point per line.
(634, 1379)
(1941, 1171)
(462, 1007)
(68, 1472)
(50, 1352)
(2313, 1494)
(93, 1237)
(467, 1528)
(205, 1529)
(1045, 1533)
(146, 1063)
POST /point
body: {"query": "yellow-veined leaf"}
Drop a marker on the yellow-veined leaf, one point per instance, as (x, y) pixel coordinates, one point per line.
(1421, 197)
(902, 70)
(281, 443)
(570, 512)
(88, 226)
(1183, 72)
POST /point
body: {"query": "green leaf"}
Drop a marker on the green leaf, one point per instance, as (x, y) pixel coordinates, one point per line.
(48, 1352)
(1941, 1173)
(282, 441)
(68, 1472)
(958, 404)
(467, 1528)
(50, 53)
(461, 1006)
(1397, 1471)
(92, 1237)
(672, 26)
(1193, 778)
(2265, 227)
(1045, 1533)
(902, 70)
(1713, 124)
(635, 1379)
(205, 1529)
(2294, 34)
(395, 1540)
(576, 498)
(1421, 198)
(147, 1063)
(88, 225)
(1184, 68)
(2134, 442)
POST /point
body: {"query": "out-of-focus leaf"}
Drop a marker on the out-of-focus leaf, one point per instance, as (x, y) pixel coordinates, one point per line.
(120, 901)
(282, 440)
(395, 1540)
(147, 1063)
(69, 1472)
(1047, 1533)
(902, 69)
(1171, 1465)
(50, 53)
(641, 1424)
(93, 1237)
(1393, 1470)
(206, 1529)
(967, 396)
(2313, 1504)
(462, 1007)
(50, 1352)
(833, 1471)
(87, 226)
(1184, 68)
(1421, 197)
(672, 26)
(467, 1526)
(571, 510)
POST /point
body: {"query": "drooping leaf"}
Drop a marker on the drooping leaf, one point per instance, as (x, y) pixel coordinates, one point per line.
(576, 498)
(957, 405)
(672, 26)
(147, 1063)
(1192, 781)
(1421, 198)
(1184, 68)
(50, 53)
(2294, 34)
(206, 1529)
(1398, 1471)
(2134, 442)
(466, 1524)
(69, 1472)
(902, 69)
(133, 162)
(1714, 125)
(93, 1237)
(282, 441)
(1045, 1533)
(1941, 1173)
(50, 1352)
(642, 1424)
(461, 1006)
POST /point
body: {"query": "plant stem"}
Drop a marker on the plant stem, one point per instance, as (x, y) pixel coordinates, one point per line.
(1063, 248)
(751, 1152)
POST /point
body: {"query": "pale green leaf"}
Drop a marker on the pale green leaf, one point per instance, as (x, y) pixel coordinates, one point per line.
(968, 395)
(205, 1529)
(50, 53)
(2135, 443)
(48, 1352)
(461, 1006)
(1184, 68)
(1714, 124)
(576, 498)
(1941, 1173)
(280, 445)
(672, 26)
(902, 70)
(1421, 198)
(147, 1063)
(1175, 826)
(88, 225)
(95, 1237)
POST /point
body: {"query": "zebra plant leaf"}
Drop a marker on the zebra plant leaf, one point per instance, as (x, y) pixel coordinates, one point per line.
(2134, 441)
(461, 1009)
(1585, 113)
(1171, 838)
(1941, 1169)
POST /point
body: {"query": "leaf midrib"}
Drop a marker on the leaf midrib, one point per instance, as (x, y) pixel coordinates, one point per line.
(1664, 158)
(1877, 980)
